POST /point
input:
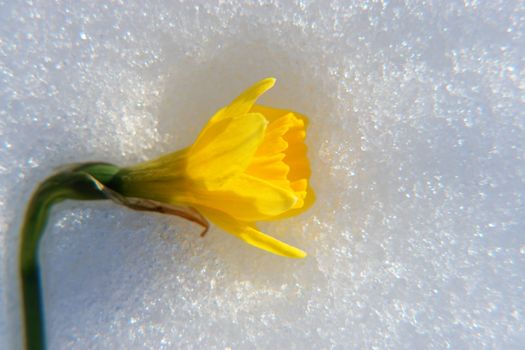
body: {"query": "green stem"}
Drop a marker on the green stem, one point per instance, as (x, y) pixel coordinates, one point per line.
(75, 183)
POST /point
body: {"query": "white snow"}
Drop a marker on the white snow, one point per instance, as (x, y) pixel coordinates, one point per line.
(417, 142)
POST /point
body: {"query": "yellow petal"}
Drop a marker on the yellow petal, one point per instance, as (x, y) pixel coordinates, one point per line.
(245, 101)
(245, 198)
(270, 168)
(267, 198)
(282, 156)
(296, 153)
(308, 201)
(225, 150)
(239, 106)
(277, 139)
(272, 114)
(248, 233)
(273, 141)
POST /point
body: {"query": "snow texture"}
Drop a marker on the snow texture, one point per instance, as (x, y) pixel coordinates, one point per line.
(417, 142)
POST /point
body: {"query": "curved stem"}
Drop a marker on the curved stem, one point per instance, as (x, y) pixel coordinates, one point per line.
(30, 274)
(32, 231)
(77, 183)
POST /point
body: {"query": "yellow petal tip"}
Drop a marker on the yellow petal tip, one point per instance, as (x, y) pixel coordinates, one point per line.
(270, 81)
(299, 254)
(263, 86)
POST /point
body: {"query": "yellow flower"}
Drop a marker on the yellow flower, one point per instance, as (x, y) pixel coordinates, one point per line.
(248, 164)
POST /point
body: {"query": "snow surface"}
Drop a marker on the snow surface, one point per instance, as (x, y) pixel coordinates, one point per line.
(416, 140)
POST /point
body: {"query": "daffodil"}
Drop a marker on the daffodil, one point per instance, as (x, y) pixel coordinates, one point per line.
(248, 164)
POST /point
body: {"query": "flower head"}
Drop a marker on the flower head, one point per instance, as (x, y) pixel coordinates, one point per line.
(248, 164)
